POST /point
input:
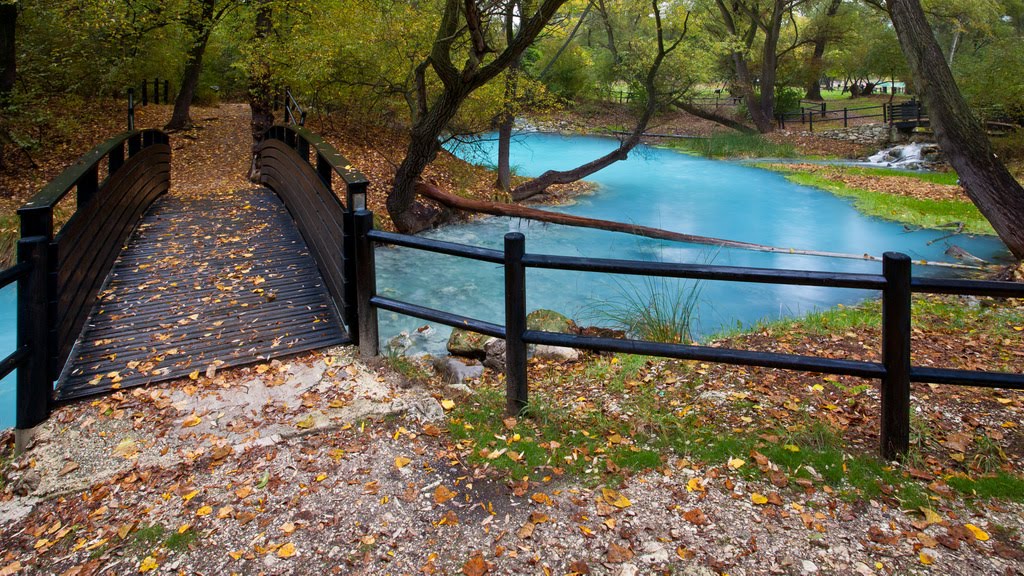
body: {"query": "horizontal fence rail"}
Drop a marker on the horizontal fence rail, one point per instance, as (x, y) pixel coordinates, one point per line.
(60, 274)
(895, 282)
(300, 167)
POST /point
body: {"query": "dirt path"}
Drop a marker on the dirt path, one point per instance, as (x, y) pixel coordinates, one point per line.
(326, 465)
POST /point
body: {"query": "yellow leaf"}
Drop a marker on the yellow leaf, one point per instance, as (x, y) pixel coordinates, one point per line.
(695, 485)
(615, 498)
(447, 404)
(587, 532)
(758, 498)
(320, 477)
(148, 564)
(194, 375)
(792, 447)
(306, 422)
(190, 495)
(401, 462)
(442, 494)
(262, 368)
(978, 532)
(183, 528)
(286, 551)
(204, 511)
(926, 559)
(930, 516)
(735, 463)
(191, 421)
(236, 555)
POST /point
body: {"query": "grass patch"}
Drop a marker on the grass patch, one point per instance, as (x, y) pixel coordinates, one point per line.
(818, 323)
(1002, 486)
(149, 536)
(180, 541)
(914, 211)
(735, 145)
(943, 178)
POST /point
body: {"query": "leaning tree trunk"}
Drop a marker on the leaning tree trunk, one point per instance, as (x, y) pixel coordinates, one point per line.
(987, 181)
(8, 47)
(817, 63)
(407, 216)
(691, 108)
(180, 118)
(260, 98)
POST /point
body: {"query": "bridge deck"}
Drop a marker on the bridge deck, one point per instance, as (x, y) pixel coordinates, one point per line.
(222, 281)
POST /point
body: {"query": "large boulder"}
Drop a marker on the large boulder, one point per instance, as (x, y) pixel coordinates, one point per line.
(454, 371)
(550, 321)
(467, 344)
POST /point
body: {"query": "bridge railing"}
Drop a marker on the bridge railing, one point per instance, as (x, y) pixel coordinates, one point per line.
(895, 282)
(59, 274)
(301, 168)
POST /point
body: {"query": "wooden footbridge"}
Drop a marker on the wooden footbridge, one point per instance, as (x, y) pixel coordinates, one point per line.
(140, 286)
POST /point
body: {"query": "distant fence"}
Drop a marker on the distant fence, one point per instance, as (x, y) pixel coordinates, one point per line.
(896, 283)
(817, 114)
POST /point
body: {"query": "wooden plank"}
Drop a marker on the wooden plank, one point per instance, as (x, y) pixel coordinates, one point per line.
(213, 281)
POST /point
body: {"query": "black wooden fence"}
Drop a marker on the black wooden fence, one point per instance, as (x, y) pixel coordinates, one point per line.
(895, 282)
(903, 115)
(60, 274)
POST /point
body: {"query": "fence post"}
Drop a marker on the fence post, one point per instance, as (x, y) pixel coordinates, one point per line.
(895, 425)
(33, 382)
(145, 93)
(516, 389)
(131, 109)
(846, 118)
(156, 91)
(810, 117)
(366, 284)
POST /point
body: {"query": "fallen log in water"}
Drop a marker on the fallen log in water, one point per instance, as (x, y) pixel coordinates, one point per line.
(518, 211)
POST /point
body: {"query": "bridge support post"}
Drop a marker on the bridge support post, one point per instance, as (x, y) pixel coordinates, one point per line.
(366, 284)
(33, 387)
(896, 316)
(516, 387)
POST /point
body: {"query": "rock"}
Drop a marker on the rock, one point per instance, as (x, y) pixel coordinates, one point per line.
(400, 343)
(26, 482)
(425, 410)
(653, 553)
(556, 353)
(628, 570)
(550, 321)
(454, 371)
(494, 354)
(808, 567)
(467, 344)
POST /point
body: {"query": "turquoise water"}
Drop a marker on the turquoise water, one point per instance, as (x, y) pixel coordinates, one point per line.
(664, 189)
(654, 187)
(8, 342)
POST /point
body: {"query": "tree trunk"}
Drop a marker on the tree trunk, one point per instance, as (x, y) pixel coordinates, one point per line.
(541, 183)
(180, 118)
(423, 147)
(8, 47)
(434, 114)
(699, 112)
(260, 98)
(987, 181)
(507, 118)
(817, 63)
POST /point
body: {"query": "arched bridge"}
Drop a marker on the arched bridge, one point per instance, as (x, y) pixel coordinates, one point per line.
(139, 286)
